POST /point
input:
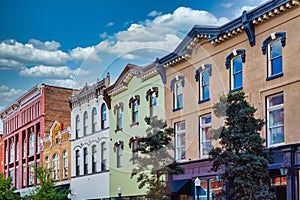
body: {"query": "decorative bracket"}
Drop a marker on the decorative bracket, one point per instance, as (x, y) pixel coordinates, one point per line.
(249, 28)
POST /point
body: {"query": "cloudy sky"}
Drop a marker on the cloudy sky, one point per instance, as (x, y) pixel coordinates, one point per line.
(69, 43)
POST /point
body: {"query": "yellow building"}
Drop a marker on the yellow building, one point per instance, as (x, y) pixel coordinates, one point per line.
(57, 153)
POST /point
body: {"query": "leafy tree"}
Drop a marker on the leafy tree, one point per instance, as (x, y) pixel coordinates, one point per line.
(46, 189)
(242, 157)
(6, 189)
(156, 163)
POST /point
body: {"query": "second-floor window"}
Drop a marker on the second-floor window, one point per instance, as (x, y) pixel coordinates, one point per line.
(77, 163)
(236, 73)
(55, 166)
(134, 103)
(275, 117)
(205, 135)
(180, 141)
(203, 78)
(65, 164)
(85, 161)
(118, 111)
(151, 96)
(94, 159)
(178, 95)
(12, 152)
(31, 144)
(118, 148)
(104, 165)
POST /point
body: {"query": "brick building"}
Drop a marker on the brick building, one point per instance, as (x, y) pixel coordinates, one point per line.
(24, 123)
(257, 52)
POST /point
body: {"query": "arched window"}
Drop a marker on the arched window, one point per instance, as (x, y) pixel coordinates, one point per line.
(94, 120)
(85, 123)
(272, 46)
(77, 162)
(234, 62)
(55, 166)
(103, 157)
(31, 144)
(94, 159)
(134, 103)
(85, 161)
(203, 78)
(65, 164)
(12, 152)
(103, 116)
(77, 127)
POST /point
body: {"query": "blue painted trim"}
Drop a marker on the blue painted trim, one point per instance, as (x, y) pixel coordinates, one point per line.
(236, 89)
(200, 69)
(203, 100)
(249, 28)
(231, 55)
(215, 31)
(176, 109)
(180, 78)
(274, 77)
(161, 70)
(265, 43)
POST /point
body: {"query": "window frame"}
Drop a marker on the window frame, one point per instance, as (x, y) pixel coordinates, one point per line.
(118, 111)
(151, 97)
(85, 123)
(205, 68)
(65, 164)
(31, 144)
(85, 161)
(103, 156)
(270, 68)
(55, 166)
(179, 79)
(202, 131)
(94, 120)
(269, 127)
(180, 150)
(103, 116)
(77, 163)
(234, 74)
(94, 159)
(77, 127)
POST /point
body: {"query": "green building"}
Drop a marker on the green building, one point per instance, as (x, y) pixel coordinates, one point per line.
(137, 93)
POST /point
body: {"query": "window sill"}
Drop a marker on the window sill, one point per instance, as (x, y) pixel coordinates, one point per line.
(274, 77)
(134, 124)
(203, 100)
(118, 129)
(236, 89)
(176, 109)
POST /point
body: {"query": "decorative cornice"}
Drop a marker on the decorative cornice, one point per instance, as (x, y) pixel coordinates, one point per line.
(217, 35)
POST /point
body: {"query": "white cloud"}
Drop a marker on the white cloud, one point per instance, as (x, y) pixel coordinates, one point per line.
(227, 5)
(68, 83)
(103, 35)
(251, 5)
(184, 18)
(87, 53)
(7, 94)
(154, 13)
(110, 24)
(6, 64)
(28, 54)
(52, 72)
(48, 45)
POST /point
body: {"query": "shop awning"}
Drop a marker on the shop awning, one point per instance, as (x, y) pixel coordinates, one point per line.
(181, 186)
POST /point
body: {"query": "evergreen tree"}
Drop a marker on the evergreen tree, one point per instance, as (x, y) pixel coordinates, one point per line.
(156, 163)
(242, 157)
(6, 189)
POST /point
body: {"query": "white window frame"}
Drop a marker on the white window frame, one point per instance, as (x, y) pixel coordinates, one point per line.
(178, 91)
(204, 140)
(94, 120)
(66, 164)
(270, 66)
(103, 157)
(232, 74)
(55, 166)
(85, 123)
(180, 148)
(31, 144)
(201, 85)
(270, 109)
(77, 126)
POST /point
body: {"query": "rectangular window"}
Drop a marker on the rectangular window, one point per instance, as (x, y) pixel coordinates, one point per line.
(135, 112)
(153, 102)
(178, 95)
(119, 118)
(205, 135)
(103, 157)
(274, 58)
(236, 73)
(135, 153)
(94, 159)
(275, 116)
(204, 86)
(119, 155)
(77, 163)
(85, 160)
(180, 141)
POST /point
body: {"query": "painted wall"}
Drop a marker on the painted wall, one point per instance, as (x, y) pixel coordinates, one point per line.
(120, 177)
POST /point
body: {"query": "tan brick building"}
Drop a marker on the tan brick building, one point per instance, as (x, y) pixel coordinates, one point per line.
(258, 53)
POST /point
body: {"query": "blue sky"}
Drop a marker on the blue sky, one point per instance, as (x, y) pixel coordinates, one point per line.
(69, 43)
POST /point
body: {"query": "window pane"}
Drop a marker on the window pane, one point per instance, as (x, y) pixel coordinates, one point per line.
(206, 119)
(276, 117)
(237, 63)
(276, 49)
(206, 92)
(276, 66)
(276, 100)
(179, 101)
(205, 78)
(238, 80)
(180, 140)
(277, 135)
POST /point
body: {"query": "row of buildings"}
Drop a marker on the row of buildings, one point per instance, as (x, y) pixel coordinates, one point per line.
(89, 136)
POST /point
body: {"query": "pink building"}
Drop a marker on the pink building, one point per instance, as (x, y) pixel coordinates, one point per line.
(24, 123)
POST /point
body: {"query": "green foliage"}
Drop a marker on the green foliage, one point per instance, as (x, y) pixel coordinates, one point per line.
(46, 189)
(242, 157)
(6, 191)
(156, 163)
